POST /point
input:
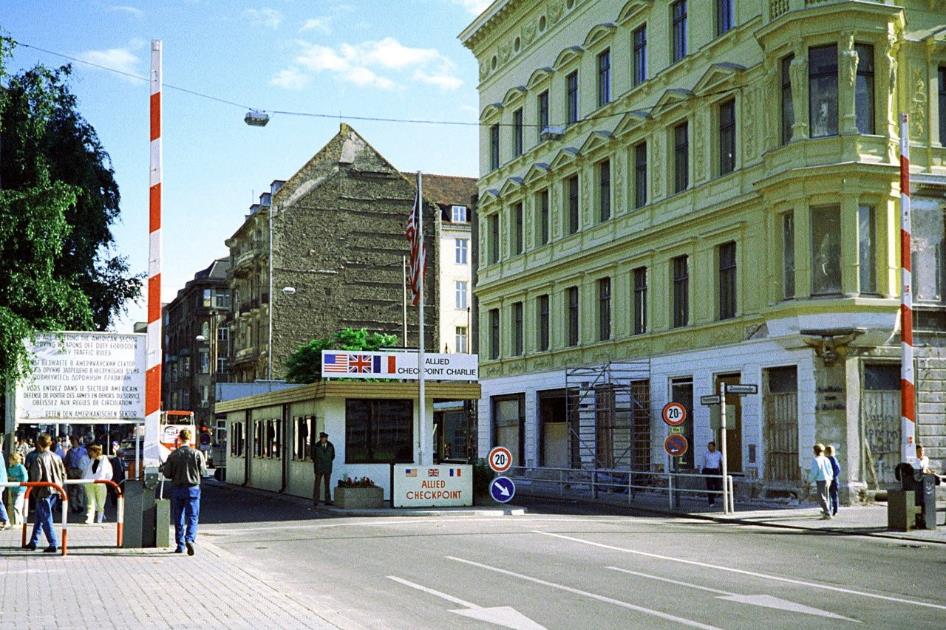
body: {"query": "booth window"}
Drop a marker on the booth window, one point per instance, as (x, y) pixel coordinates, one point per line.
(302, 445)
(237, 439)
(379, 431)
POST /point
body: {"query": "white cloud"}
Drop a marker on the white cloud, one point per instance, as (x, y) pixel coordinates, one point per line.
(380, 64)
(474, 7)
(270, 18)
(132, 11)
(121, 59)
(322, 24)
(291, 79)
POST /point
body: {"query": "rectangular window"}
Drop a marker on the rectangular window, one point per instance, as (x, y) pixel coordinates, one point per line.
(725, 19)
(379, 431)
(204, 359)
(640, 54)
(542, 107)
(223, 366)
(823, 90)
(509, 419)
(571, 191)
(681, 157)
(788, 255)
(929, 250)
(460, 339)
(942, 105)
(571, 97)
(640, 300)
(727, 137)
(493, 238)
(681, 291)
(788, 113)
(571, 301)
(542, 203)
(461, 246)
(517, 132)
(864, 88)
(301, 446)
(458, 214)
(604, 309)
(237, 435)
(494, 333)
(604, 190)
(679, 16)
(640, 175)
(494, 147)
(517, 328)
(866, 249)
(542, 307)
(517, 229)
(727, 280)
(604, 78)
(826, 250)
(461, 293)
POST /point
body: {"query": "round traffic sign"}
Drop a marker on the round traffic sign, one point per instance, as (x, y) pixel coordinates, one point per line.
(674, 414)
(676, 445)
(502, 489)
(500, 459)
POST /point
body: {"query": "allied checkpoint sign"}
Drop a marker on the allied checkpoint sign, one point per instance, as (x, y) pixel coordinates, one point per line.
(83, 377)
(444, 485)
(399, 365)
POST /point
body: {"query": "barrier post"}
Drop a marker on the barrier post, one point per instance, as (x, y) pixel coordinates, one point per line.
(26, 515)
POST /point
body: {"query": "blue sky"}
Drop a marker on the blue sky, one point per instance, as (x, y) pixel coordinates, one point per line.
(390, 59)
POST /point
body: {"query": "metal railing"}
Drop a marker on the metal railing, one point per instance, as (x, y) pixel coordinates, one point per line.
(633, 482)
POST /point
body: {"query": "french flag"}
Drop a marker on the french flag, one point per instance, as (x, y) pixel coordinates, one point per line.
(384, 365)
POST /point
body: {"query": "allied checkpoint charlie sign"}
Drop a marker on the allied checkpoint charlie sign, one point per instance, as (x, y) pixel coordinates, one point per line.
(83, 377)
(398, 365)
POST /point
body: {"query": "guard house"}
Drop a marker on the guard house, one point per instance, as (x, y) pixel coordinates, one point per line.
(373, 426)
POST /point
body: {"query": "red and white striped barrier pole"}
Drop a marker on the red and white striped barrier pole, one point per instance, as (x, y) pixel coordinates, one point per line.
(907, 386)
(154, 358)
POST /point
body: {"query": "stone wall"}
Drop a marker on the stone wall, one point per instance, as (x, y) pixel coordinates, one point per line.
(930, 374)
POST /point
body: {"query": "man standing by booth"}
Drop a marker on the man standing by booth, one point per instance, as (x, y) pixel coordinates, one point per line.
(323, 454)
(46, 467)
(185, 467)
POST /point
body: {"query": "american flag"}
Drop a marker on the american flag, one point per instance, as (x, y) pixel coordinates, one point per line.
(336, 363)
(418, 261)
(410, 472)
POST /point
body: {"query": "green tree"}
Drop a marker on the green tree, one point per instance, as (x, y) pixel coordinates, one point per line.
(305, 364)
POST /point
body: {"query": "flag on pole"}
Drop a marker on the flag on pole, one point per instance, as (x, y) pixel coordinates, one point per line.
(418, 259)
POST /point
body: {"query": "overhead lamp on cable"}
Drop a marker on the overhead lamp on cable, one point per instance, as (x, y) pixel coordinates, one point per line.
(256, 118)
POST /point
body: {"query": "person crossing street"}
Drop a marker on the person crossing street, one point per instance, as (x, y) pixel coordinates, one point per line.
(185, 467)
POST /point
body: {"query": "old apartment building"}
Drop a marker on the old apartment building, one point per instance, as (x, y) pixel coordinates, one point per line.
(675, 194)
(337, 237)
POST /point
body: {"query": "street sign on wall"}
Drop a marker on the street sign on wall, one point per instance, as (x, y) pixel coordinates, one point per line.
(502, 489)
(741, 389)
(500, 459)
(676, 445)
(674, 414)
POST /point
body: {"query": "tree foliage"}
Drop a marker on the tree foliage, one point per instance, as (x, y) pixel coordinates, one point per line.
(305, 364)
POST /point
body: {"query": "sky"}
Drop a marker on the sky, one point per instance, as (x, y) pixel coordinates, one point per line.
(374, 58)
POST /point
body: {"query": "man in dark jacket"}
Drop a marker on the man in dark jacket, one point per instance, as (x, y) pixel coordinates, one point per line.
(323, 454)
(185, 467)
(46, 466)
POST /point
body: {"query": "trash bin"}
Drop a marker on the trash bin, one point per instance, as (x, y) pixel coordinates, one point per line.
(923, 486)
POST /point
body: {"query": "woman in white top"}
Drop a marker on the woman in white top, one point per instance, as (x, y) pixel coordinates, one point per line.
(96, 467)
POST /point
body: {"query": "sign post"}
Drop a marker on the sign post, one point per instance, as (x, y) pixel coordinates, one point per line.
(739, 389)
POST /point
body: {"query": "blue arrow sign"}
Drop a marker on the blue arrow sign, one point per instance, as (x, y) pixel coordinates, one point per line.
(502, 489)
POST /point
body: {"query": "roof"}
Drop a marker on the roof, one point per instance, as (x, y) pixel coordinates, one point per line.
(446, 190)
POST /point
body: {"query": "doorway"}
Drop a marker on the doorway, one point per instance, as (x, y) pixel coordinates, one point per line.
(553, 432)
(780, 402)
(733, 423)
(880, 417)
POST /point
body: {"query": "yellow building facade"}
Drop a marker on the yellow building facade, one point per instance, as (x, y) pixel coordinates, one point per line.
(677, 194)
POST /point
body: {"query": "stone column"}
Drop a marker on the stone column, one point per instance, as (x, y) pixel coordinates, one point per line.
(847, 76)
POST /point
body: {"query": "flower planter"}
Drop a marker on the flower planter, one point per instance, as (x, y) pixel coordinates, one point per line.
(359, 498)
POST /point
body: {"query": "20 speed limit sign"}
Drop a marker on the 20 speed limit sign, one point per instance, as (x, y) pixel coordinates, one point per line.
(674, 414)
(500, 459)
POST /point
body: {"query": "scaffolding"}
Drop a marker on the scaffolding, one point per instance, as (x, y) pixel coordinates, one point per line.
(608, 415)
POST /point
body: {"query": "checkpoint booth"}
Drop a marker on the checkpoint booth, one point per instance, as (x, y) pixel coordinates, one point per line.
(373, 424)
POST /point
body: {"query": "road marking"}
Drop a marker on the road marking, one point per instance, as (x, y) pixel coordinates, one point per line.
(765, 601)
(505, 616)
(765, 576)
(575, 591)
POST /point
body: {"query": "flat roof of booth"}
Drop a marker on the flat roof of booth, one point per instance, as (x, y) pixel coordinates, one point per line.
(352, 389)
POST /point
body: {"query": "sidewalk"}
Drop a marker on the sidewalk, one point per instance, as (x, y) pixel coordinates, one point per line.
(98, 585)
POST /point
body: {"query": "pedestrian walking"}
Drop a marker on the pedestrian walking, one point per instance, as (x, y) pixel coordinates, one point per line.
(713, 469)
(833, 497)
(16, 471)
(323, 454)
(97, 467)
(75, 461)
(185, 467)
(820, 472)
(46, 466)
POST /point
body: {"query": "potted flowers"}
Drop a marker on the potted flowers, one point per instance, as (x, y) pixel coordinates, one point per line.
(358, 493)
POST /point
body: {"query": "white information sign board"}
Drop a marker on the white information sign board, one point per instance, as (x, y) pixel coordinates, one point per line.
(442, 485)
(399, 365)
(86, 377)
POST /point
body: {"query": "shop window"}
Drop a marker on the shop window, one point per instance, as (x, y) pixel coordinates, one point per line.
(681, 391)
(509, 425)
(379, 431)
(826, 250)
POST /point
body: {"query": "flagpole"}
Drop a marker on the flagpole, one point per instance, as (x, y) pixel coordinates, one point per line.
(404, 299)
(422, 400)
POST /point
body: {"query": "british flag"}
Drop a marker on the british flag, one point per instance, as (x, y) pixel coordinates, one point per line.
(359, 364)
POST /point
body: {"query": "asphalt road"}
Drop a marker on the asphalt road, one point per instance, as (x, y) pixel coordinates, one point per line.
(574, 570)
